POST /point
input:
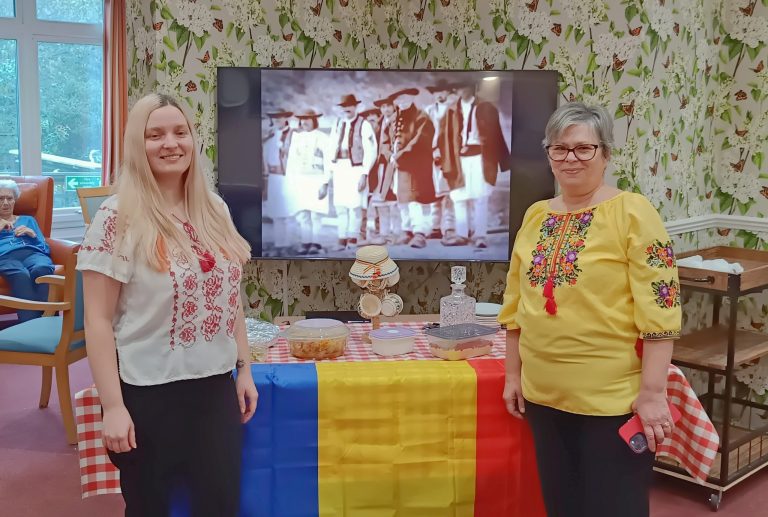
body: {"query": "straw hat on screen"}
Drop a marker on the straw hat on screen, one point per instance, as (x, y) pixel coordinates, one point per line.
(372, 263)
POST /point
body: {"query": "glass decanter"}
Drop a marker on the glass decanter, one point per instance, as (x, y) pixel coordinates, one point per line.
(457, 307)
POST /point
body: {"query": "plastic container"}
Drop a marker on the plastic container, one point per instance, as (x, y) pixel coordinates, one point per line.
(261, 336)
(462, 341)
(319, 338)
(392, 340)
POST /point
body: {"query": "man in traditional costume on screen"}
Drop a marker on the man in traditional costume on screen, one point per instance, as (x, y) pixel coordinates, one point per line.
(473, 151)
(307, 199)
(443, 217)
(352, 146)
(277, 141)
(382, 206)
(412, 135)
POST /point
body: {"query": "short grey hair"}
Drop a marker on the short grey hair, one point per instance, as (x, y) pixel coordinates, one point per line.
(12, 186)
(573, 113)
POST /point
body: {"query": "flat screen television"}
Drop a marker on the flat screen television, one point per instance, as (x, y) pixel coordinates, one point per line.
(436, 165)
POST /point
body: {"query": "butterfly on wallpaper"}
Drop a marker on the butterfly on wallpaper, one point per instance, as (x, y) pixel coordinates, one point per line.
(288, 37)
(738, 166)
(654, 168)
(684, 102)
(759, 67)
(628, 109)
(656, 133)
(676, 28)
(669, 194)
(748, 10)
(636, 31)
(741, 95)
(674, 156)
(394, 44)
(723, 232)
(379, 3)
(764, 192)
(148, 55)
(557, 29)
(206, 57)
(572, 97)
(666, 63)
(445, 3)
(191, 86)
(501, 38)
(327, 64)
(741, 132)
(316, 9)
(543, 63)
(710, 110)
(218, 24)
(420, 15)
(487, 65)
(157, 26)
(618, 64)
(337, 34)
(699, 149)
(716, 41)
(344, 3)
(439, 36)
(708, 195)
(708, 69)
(533, 5)
(275, 62)
(656, 92)
(429, 66)
(757, 325)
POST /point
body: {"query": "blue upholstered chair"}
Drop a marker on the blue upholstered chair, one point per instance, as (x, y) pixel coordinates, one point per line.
(54, 341)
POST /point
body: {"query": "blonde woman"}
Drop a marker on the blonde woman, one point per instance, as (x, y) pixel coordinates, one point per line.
(161, 266)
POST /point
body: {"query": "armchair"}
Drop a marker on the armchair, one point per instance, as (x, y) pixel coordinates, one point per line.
(52, 342)
(36, 199)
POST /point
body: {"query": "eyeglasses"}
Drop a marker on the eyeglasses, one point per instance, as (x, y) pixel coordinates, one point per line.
(583, 152)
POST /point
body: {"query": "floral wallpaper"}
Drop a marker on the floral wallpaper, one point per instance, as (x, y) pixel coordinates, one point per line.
(686, 79)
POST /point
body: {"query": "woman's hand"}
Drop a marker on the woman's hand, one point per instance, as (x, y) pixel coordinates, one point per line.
(513, 396)
(246, 394)
(23, 230)
(117, 430)
(653, 410)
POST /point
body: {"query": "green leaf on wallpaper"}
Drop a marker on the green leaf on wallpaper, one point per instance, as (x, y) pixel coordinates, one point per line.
(757, 159)
(309, 46)
(646, 48)
(630, 12)
(765, 3)
(253, 60)
(166, 13)
(511, 54)
(169, 43)
(190, 102)
(329, 5)
(456, 42)
(214, 53)
(152, 7)
(391, 29)
(249, 289)
(756, 94)
(617, 75)
(297, 52)
(665, 160)
(734, 48)
(324, 49)
(579, 35)
(497, 22)
(619, 113)
(744, 207)
(592, 63)
(210, 152)
(355, 43)
(283, 19)
(509, 27)
(568, 31)
(726, 115)
(623, 183)
(200, 40)
(522, 44)
(205, 85)
(229, 29)
(635, 72)
(239, 33)
(725, 200)
(538, 47)
(295, 26)
(432, 7)
(654, 39)
(347, 36)
(412, 49)
(423, 53)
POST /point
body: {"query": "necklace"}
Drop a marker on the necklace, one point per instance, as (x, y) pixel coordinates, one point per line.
(205, 257)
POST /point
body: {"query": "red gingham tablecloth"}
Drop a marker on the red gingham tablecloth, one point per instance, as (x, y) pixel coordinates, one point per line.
(694, 443)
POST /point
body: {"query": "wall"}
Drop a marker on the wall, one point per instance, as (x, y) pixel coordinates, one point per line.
(686, 79)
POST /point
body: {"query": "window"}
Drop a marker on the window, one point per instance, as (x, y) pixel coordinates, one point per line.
(51, 93)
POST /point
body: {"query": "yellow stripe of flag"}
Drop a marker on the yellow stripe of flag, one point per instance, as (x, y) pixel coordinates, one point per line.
(396, 439)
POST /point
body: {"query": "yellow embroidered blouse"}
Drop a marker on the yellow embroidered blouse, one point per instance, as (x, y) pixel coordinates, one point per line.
(584, 287)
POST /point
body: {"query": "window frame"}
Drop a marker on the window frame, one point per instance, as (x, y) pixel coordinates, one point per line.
(28, 32)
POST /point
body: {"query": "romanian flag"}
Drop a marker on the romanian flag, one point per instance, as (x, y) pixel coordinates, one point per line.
(387, 439)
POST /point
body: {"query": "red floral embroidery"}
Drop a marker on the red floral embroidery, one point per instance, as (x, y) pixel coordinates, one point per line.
(190, 283)
(187, 334)
(109, 233)
(189, 309)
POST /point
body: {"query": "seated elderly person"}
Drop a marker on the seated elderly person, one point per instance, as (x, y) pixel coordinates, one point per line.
(24, 254)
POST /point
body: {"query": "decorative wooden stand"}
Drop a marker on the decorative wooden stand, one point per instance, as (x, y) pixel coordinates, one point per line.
(379, 289)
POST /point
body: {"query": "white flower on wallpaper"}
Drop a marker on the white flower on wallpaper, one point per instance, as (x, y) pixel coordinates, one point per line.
(693, 114)
(735, 179)
(755, 376)
(245, 13)
(347, 57)
(534, 25)
(654, 187)
(144, 41)
(420, 32)
(749, 29)
(584, 13)
(692, 11)
(391, 10)
(752, 135)
(642, 97)
(459, 17)
(696, 207)
(683, 173)
(602, 94)
(358, 17)
(566, 61)
(659, 137)
(625, 159)
(706, 53)
(679, 71)
(480, 53)
(206, 127)
(720, 96)
(318, 28)
(607, 46)
(382, 56)
(195, 16)
(265, 47)
(448, 59)
(660, 17)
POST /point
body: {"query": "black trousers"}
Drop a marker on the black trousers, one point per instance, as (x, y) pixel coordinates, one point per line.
(586, 469)
(188, 438)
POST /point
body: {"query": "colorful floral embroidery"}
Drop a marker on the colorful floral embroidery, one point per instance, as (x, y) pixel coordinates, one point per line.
(667, 293)
(662, 334)
(660, 255)
(561, 239)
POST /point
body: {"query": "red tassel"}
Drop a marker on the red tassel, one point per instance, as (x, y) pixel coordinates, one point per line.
(549, 294)
(639, 347)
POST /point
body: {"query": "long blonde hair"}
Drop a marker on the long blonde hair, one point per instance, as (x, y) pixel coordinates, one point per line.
(140, 204)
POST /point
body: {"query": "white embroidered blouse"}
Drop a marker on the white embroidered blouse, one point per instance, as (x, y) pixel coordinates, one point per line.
(169, 325)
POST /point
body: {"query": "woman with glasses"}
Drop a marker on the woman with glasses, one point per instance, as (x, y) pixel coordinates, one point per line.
(591, 308)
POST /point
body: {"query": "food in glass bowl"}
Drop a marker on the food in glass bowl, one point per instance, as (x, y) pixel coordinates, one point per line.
(317, 339)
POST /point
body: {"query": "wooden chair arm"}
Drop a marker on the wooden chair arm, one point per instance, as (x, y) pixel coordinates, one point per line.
(22, 304)
(61, 249)
(50, 279)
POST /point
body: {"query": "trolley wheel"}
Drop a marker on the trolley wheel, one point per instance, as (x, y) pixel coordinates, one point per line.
(715, 499)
